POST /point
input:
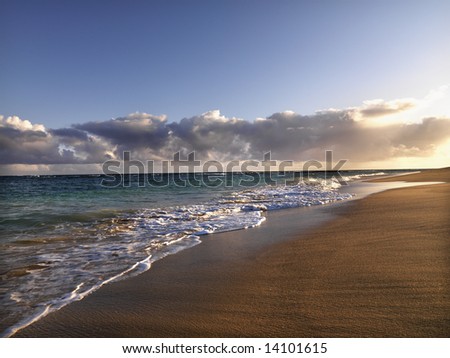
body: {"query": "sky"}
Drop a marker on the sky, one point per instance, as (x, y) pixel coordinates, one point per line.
(82, 81)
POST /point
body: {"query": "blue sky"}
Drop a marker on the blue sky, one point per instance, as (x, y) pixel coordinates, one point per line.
(68, 64)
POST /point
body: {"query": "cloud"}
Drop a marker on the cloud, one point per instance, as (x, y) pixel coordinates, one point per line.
(211, 135)
(423, 137)
(14, 122)
(24, 143)
(379, 107)
(134, 131)
(288, 135)
(69, 134)
(300, 137)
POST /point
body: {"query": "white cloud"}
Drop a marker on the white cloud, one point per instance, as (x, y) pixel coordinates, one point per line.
(20, 124)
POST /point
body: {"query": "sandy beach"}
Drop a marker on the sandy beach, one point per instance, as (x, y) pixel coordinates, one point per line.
(378, 267)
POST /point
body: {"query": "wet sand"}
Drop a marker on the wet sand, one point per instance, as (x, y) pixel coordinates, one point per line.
(379, 267)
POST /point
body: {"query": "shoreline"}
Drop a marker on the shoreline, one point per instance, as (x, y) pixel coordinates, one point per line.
(233, 285)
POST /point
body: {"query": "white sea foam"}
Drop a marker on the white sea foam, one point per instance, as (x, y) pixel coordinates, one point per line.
(354, 177)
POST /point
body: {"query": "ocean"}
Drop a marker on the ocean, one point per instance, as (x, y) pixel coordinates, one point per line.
(63, 237)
